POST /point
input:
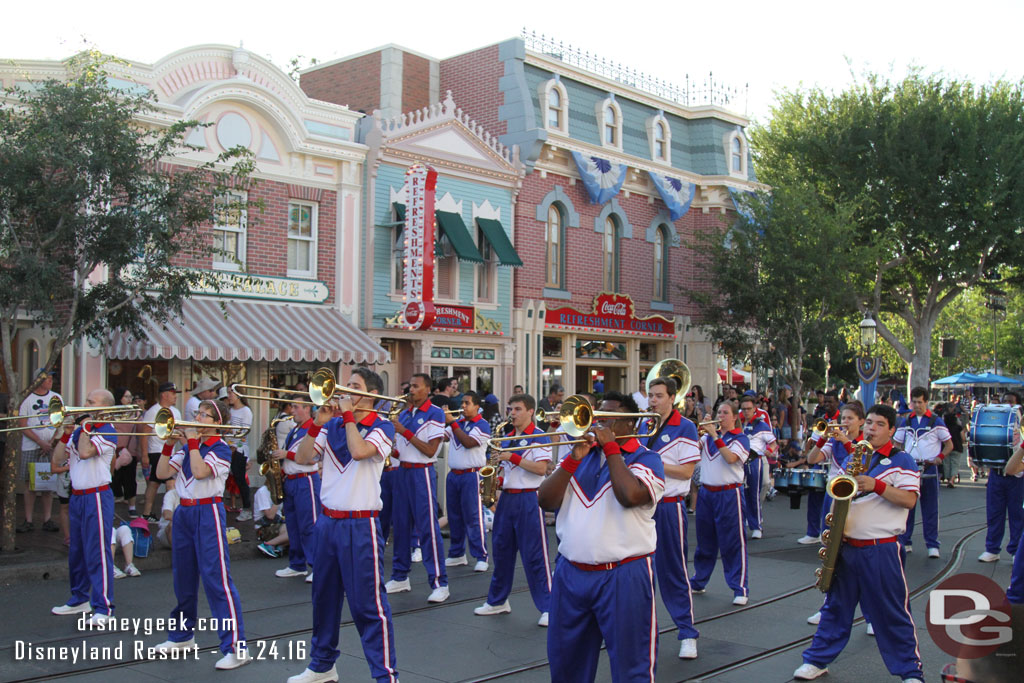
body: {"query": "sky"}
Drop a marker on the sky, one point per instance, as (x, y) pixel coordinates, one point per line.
(759, 47)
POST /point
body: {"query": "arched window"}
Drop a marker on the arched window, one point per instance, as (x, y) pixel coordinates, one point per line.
(660, 141)
(554, 241)
(610, 254)
(737, 155)
(660, 269)
(611, 126)
(554, 109)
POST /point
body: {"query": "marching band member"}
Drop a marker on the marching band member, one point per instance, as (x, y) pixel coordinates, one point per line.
(518, 519)
(90, 561)
(869, 570)
(1015, 592)
(720, 507)
(301, 496)
(466, 455)
(1004, 501)
(816, 499)
(606, 495)
(419, 430)
(200, 546)
(928, 441)
(676, 442)
(762, 439)
(353, 442)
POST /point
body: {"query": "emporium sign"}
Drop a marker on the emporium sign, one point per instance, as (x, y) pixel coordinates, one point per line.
(611, 313)
(248, 286)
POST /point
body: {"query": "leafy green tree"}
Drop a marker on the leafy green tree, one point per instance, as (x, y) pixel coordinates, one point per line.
(93, 224)
(934, 171)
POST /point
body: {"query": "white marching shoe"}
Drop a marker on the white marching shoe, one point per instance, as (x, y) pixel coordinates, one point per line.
(814, 619)
(871, 629)
(480, 566)
(756, 533)
(808, 672)
(233, 660)
(101, 621)
(393, 586)
(740, 600)
(72, 609)
(288, 573)
(688, 648)
(988, 557)
(170, 645)
(309, 676)
(933, 552)
(487, 609)
(543, 621)
(309, 577)
(455, 561)
(439, 594)
(808, 540)
(416, 555)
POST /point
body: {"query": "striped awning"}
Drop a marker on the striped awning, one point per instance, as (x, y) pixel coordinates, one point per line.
(251, 331)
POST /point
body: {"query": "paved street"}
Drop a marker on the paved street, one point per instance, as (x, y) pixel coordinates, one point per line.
(448, 643)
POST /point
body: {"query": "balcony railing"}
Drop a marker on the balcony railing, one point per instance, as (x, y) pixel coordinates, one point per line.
(691, 93)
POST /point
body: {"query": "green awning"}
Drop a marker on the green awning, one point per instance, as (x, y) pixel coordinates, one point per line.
(458, 235)
(495, 234)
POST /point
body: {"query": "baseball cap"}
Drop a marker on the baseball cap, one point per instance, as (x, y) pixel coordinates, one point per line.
(750, 392)
(491, 398)
(167, 386)
(42, 371)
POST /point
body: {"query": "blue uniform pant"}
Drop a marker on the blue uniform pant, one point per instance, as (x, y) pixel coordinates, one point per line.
(1004, 497)
(1015, 593)
(670, 562)
(465, 516)
(90, 564)
(815, 505)
(388, 479)
(349, 560)
(928, 500)
(301, 509)
(616, 606)
(873, 576)
(519, 525)
(720, 530)
(415, 505)
(200, 551)
(752, 493)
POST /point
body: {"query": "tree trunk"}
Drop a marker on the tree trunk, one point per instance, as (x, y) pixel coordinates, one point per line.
(8, 482)
(919, 366)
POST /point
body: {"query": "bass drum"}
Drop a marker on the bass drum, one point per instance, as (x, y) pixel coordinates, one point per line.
(993, 431)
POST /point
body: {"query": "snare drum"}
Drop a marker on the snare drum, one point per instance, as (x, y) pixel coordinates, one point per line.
(992, 434)
(781, 478)
(788, 478)
(813, 479)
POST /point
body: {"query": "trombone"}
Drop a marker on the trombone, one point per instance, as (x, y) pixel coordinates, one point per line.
(57, 412)
(164, 426)
(322, 387)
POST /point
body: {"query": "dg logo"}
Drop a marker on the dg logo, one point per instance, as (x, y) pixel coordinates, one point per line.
(968, 616)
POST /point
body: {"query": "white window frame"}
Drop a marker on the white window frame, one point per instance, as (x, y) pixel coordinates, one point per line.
(729, 141)
(603, 106)
(486, 270)
(616, 226)
(661, 279)
(652, 137)
(242, 197)
(560, 247)
(397, 246)
(455, 266)
(546, 88)
(314, 215)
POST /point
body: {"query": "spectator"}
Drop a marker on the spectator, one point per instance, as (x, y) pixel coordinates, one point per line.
(554, 398)
(241, 416)
(36, 446)
(490, 410)
(270, 528)
(124, 483)
(599, 387)
(951, 463)
(204, 390)
(819, 408)
(122, 536)
(170, 504)
(150, 447)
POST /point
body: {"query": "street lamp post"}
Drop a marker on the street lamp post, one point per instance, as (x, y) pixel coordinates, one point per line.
(828, 358)
(867, 365)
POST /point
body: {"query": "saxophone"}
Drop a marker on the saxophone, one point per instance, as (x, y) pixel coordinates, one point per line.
(489, 475)
(270, 467)
(843, 489)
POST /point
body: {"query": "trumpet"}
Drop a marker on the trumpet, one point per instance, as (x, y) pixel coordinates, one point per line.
(825, 427)
(57, 412)
(323, 385)
(701, 430)
(165, 426)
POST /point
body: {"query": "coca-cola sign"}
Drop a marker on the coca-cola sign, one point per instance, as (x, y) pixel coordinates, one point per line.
(454, 317)
(611, 312)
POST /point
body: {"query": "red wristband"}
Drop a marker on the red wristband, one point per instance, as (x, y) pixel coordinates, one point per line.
(193, 445)
(348, 416)
(849, 447)
(168, 449)
(821, 442)
(515, 458)
(569, 464)
(880, 486)
(612, 448)
(64, 439)
(719, 443)
(408, 434)
(314, 430)
(290, 456)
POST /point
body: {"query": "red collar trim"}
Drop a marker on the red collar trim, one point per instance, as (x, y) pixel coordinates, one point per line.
(530, 428)
(858, 437)
(735, 431)
(630, 446)
(833, 418)
(210, 440)
(885, 450)
(476, 418)
(927, 413)
(307, 424)
(96, 426)
(674, 419)
(370, 418)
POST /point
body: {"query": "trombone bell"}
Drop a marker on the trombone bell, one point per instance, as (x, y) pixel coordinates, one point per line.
(675, 369)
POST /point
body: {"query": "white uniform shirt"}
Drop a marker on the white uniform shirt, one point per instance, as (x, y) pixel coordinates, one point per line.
(291, 443)
(155, 444)
(462, 458)
(35, 408)
(836, 453)
(260, 502)
(350, 484)
(515, 477)
(676, 442)
(760, 436)
(90, 473)
(217, 455)
(426, 424)
(872, 516)
(918, 440)
(592, 526)
(715, 470)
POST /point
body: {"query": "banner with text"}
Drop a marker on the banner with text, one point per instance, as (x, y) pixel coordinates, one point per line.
(612, 313)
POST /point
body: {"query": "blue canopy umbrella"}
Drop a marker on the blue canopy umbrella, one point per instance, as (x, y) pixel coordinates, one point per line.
(959, 379)
(992, 379)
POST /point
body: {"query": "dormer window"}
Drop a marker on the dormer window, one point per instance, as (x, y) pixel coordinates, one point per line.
(554, 109)
(554, 102)
(736, 153)
(660, 141)
(659, 135)
(611, 126)
(609, 119)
